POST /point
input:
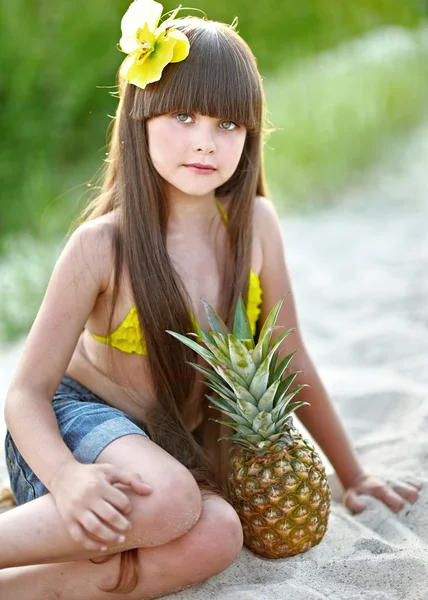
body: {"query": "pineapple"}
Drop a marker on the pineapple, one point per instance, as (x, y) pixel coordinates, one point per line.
(278, 483)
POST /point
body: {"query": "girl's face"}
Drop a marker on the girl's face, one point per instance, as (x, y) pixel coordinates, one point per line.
(194, 153)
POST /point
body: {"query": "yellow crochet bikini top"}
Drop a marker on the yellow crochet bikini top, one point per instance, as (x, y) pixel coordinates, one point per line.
(129, 337)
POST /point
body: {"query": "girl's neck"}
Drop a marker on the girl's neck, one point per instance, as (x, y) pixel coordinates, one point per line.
(191, 212)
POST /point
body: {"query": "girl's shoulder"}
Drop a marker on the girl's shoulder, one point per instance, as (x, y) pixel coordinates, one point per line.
(99, 230)
(102, 225)
(266, 222)
(91, 244)
(264, 209)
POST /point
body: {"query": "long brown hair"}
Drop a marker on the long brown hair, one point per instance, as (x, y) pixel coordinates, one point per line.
(220, 79)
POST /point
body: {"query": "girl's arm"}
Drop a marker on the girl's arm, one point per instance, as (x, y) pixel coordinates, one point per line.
(320, 418)
(80, 274)
(79, 490)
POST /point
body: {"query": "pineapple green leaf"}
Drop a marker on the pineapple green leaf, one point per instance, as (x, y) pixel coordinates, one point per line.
(272, 316)
(288, 408)
(230, 376)
(264, 444)
(246, 443)
(241, 324)
(291, 409)
(278, 341)
(221, 345)
(266, 401)
(270, 349)
(278, 411)
(282, 403)
(245, 430)
(216, 322)
(254, 439)
(223, 359)
(226, 406)
(241, 359)
(210, 375)
(257, 354)
(283, 387)
(279, 372)
(269, 324)
(222, 391)
(230, 412)
(260, 380)
(208, 356)
(267, 430)
(272, 369)
(247, 410)
(260, 420)
(243, 394)
(232, 436)
(214, 381)
(207, 337)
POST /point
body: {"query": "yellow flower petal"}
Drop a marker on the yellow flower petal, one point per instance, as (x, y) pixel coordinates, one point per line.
(139, 13)
(143, 37)
(166, 23)
(181, 47)
(130, 69)
(129, 43)
(151, 68)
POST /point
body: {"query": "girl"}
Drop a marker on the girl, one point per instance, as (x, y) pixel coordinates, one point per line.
(120, 481)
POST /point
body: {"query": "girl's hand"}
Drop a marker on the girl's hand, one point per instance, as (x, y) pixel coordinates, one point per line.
(91, 505)
(393, 495)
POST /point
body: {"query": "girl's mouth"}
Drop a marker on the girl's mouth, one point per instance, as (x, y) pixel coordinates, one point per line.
(201, 168)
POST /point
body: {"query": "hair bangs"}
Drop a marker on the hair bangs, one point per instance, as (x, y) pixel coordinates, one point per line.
(219, 79)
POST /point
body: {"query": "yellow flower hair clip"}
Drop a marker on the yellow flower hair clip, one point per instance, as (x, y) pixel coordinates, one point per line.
(150, 46)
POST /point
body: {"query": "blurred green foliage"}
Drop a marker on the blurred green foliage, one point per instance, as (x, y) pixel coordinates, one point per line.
(341, 112)
(55, 114)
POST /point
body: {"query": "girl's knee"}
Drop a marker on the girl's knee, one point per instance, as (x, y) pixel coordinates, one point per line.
(221, 538)
(227, 533)
(170, 511)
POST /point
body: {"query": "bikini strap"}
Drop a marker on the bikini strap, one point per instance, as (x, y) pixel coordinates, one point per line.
(222, 211)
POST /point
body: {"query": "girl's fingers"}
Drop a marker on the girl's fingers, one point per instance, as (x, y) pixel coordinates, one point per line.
(393, 495)
(117, 498)
(78, 535)
(97, 529)
(108, 513)
(380, 490)
(352, 501)
(406, 490)
(390, 498)
(130, 479)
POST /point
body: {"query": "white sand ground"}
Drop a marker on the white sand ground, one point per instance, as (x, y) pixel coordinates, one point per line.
(361, 280)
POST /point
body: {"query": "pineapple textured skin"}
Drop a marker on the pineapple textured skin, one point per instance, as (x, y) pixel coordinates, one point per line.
(283, 499)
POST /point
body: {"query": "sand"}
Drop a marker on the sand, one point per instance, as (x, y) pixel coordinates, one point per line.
(360, 278)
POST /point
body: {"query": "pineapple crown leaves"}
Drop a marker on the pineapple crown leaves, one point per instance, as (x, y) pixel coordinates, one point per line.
(249, 385)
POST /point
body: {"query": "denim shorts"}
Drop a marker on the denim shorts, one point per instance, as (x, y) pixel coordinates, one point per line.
(87, 425)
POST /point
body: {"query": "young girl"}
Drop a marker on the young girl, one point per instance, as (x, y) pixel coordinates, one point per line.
(113, 461)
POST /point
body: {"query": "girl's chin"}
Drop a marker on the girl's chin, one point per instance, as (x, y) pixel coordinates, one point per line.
(193, 190)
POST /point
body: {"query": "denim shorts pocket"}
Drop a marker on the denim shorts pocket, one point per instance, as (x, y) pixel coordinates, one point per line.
(22, 489)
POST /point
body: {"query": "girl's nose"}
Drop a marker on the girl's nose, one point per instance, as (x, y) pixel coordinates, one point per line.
(204, 139)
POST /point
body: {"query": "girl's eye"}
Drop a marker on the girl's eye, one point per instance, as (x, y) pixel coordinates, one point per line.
(183, 118)
(228, 125)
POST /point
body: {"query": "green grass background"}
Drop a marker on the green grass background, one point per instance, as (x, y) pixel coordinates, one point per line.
(344, 82)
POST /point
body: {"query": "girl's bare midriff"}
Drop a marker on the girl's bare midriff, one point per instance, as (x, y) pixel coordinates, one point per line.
(123, 379)
(128, 387)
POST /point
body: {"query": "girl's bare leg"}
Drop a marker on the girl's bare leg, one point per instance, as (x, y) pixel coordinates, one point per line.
(207, 549)
(34, 533)
(181, 539)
